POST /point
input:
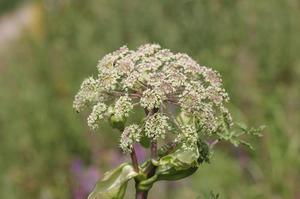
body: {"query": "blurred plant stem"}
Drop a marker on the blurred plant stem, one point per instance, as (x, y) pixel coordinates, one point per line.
(134, 160)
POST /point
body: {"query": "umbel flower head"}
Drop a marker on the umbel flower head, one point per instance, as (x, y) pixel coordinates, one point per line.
(183, 100)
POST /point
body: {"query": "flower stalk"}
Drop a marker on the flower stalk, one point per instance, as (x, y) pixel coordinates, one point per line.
(134, 160)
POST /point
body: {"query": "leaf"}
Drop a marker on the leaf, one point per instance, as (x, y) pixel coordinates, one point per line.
(179, 159)
(234, 136)
(117, 123)
(177, 165)
(114, 183)
(204, 152)
(173, 174)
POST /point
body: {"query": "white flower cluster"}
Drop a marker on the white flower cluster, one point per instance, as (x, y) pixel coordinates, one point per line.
(123, 106)
(157, 126)
(130, 135)
(188, 137)
(87, 94)
(152, 77)
(152, 98)
(96, 115)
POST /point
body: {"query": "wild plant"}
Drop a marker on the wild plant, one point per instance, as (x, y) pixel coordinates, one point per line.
(185, 115)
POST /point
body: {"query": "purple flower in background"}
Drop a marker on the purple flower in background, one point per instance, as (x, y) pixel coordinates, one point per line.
(117, 158)
(140, 153)
(84, 179)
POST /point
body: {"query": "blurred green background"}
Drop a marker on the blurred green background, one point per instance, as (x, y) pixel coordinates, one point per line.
(48, 47)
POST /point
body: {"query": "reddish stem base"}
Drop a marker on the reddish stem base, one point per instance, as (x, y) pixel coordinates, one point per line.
(141, 195)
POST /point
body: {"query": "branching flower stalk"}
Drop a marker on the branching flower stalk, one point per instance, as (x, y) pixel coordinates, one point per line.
(184, 105)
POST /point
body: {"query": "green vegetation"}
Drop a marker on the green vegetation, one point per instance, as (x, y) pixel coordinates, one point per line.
(254, 44)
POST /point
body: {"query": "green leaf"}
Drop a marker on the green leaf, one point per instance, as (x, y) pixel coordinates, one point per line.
(117, 123)
(180, 158)
(204, 152)
(114, 183)
(172, 174)
(174, 166)
(252, 130)
(234, 136)
(177, 165)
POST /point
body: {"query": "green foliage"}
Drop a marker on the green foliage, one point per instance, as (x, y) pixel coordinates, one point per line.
(180, 159)
(174, 166)
(117, 123)
(204, 152)
(177, 165)
(234, 136)
(114, 183)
